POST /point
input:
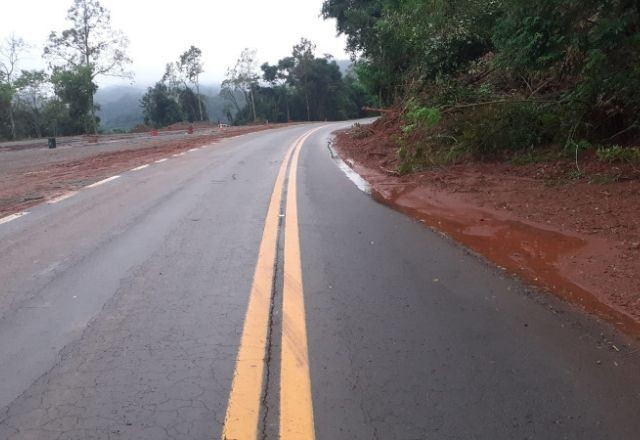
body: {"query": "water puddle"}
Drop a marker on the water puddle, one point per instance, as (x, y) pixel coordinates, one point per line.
(544, 257)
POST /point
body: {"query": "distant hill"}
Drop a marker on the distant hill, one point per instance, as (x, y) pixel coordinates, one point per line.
(120, 106)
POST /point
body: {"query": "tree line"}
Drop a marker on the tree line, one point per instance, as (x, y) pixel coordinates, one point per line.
(300, 87)
(492, 75)
(59, 100)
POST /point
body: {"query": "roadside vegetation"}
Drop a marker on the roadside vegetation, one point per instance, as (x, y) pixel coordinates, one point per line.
(300, 87)
(60, 100)
(522, 80)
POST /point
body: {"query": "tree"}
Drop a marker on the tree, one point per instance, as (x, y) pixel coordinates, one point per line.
(303, 58)
(159, 107)
(90, 42)
(278, 76)
(190, 64)
(298, 87)
(56, 117)
(10, 52)
(75, 87)
(32, 87)
(243, 77)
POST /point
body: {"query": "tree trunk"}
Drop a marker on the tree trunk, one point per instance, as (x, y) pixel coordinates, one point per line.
(94, 125)
(286, 102)
(13, 122)
(253, 105)
(37, 120)
(199, 102)
(306, 98)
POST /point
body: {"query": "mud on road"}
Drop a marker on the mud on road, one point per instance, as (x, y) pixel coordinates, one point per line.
(579, 239)
(31, 174)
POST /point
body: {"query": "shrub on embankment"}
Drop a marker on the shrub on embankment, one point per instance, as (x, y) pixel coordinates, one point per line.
(494, 78)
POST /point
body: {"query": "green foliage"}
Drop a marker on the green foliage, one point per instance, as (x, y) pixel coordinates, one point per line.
(618, 154)
(191, 67)
(299, 87)
(422, 153)
(75, 88)
(417, 117)
(159, 108)
(488, 130)
(191, 105)
(92, 45)
(505, 75)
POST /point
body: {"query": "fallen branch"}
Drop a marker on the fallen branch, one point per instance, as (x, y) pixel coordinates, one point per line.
(502, 101)
(377, 110)
(388, 171)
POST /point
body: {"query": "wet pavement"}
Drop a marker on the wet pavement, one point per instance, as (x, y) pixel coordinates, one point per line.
(123, 309)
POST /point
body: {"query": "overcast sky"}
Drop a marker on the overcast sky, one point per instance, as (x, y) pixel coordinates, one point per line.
(159, 33)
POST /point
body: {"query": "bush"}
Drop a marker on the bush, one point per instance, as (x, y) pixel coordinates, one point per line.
(489, 130)
(419, 118)
(618, 154)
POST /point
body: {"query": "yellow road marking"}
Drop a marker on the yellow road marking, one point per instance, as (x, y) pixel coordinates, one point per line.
(243, 410)
(296, 405)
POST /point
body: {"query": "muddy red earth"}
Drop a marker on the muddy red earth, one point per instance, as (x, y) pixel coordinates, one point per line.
(577, 239)
(27, 186)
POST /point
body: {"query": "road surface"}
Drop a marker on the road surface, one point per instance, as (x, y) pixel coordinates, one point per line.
(249, 289)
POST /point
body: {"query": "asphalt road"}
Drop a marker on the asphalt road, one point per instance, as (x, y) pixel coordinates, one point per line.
(250, 289)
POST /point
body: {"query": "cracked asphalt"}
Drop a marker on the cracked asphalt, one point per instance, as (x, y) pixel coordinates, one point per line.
(122, 309)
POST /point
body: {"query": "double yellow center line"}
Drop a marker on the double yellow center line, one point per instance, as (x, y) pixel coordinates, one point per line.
(296, 409)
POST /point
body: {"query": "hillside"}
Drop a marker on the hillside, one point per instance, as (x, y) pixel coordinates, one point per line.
(119, 107)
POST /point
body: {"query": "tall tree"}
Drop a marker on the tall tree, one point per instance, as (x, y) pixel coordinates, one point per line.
(190, 64)
(178, 88)
(243, 77)
(76, 89)
(90, 42)
(303, 56)
(277, 76)
(10, 52)
(32, 86)
(159, 107)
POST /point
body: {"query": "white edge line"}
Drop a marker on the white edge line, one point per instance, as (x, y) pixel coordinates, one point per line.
(8, 218)
(62, 197)
(178, 154)
(193, 149)
(162, 160)
(102, 182)
(141, 167)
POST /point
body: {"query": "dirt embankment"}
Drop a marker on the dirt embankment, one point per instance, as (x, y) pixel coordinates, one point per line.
(25, 187)
(580, 239)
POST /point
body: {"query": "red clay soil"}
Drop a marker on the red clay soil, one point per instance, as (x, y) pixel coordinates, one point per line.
(576, 238)
(23, 189)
